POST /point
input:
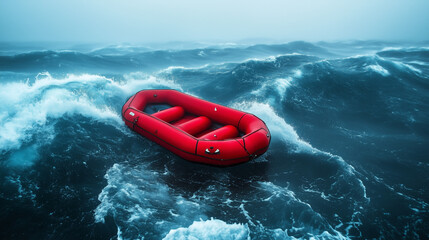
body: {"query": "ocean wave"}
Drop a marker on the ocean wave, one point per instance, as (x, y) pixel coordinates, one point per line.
(364, 63)
(378, 69)
(172, 69)
(281, 130)
(291, 47)
(121, 59)
(32, 109)
(401, 52)
(348, 123)
(278, 127)
(211, 229)
(407, 67)
(318, 228)
(279, 85)
(53, 61)
(55, 103)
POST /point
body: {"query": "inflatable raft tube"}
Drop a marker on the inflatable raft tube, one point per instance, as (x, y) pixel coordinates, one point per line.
(195, 129)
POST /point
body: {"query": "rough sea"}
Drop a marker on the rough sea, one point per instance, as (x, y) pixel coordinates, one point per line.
(349, 156)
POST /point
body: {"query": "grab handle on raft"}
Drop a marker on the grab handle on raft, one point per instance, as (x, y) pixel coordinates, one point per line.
(217, 151)
(135, 122)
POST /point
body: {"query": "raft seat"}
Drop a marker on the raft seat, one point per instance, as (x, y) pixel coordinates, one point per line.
(185, 118)
(170, 114)
(225, 132)
(196, 125)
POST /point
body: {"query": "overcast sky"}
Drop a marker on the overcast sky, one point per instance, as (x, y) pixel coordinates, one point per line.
(222, 20)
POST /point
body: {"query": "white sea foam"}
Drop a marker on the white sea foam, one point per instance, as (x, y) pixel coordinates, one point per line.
(419, 63)
(210, 229)
(410, 49)
(277, 192)
(170, 69)
(370, 55)
(392, 49)
(378, 69)
(29, 115)
(288, 197)
(127, 201)
(416, 70)
(407, 67)
(134, 196)
(271, 58)
(375, 67)
(246, 214)
(279, 84)
(202, 53)
(265, 59)
(278, 127)
(282, 84)
(137, 81)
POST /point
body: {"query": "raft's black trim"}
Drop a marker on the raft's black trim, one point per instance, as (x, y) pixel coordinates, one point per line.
(266, 129)
(238, 125)
(131, 100)
(244, 147)
(196, 147)
(244, 140)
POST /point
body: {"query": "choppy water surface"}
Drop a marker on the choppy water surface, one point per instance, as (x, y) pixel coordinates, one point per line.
(349, 156)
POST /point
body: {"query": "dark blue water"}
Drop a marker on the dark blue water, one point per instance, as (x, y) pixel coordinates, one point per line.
(349, 157)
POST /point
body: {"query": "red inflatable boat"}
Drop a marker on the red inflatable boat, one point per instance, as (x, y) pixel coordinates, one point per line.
(195, 129)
